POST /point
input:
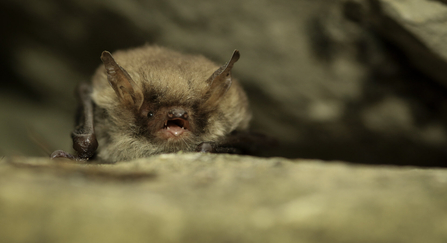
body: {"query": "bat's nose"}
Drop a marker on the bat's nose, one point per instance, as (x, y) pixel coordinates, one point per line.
(178, 113)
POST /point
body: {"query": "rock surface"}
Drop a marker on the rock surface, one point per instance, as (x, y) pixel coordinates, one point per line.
(219, 198)
(419, 28)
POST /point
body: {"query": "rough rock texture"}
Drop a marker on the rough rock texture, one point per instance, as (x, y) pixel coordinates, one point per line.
(327, 78)
(219, 198)
(418, 28)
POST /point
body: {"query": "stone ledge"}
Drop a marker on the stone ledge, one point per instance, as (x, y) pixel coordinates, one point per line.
(219, 198)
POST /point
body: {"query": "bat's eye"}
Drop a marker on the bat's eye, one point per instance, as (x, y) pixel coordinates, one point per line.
(150, 114)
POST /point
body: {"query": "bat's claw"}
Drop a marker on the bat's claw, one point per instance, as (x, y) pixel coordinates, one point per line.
(205, 147)
(211, 147)
(62, 154)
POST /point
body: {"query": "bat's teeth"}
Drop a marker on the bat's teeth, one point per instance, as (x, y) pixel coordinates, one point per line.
(167, 128)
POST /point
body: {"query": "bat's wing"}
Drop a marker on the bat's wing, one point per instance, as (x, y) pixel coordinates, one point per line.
(239, 142)
(84, 137)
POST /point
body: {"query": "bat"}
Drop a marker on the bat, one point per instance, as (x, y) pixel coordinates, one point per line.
(151, 100)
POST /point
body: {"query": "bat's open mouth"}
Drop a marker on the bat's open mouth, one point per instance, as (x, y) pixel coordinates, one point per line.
(176, 126)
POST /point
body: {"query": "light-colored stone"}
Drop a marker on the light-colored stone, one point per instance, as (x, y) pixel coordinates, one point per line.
(219, 198)
(419, 28)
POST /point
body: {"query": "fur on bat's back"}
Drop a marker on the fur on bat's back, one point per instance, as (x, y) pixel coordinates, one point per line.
(176, 79)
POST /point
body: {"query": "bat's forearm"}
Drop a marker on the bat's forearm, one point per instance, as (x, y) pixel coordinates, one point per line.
(84, 137)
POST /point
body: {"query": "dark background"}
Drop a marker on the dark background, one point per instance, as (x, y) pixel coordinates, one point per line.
(361, 81)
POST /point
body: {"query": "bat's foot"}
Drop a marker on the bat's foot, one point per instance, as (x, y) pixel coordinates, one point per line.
(205, 147)
(62, 154)
(210, 147)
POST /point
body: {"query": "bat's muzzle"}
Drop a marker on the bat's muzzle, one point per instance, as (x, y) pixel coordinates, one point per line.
(177, 122)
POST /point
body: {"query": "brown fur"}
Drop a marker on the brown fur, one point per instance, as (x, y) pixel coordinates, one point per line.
(166, 79)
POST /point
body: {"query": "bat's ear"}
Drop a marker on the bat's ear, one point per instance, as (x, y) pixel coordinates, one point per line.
(220, 80)
(125, 88)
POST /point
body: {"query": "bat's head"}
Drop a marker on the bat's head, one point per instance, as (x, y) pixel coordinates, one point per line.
(174, 118)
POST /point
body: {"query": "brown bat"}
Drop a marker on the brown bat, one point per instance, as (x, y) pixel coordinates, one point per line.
(160, 101)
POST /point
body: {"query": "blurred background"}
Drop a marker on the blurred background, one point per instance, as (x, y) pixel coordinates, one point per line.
(360, 81)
